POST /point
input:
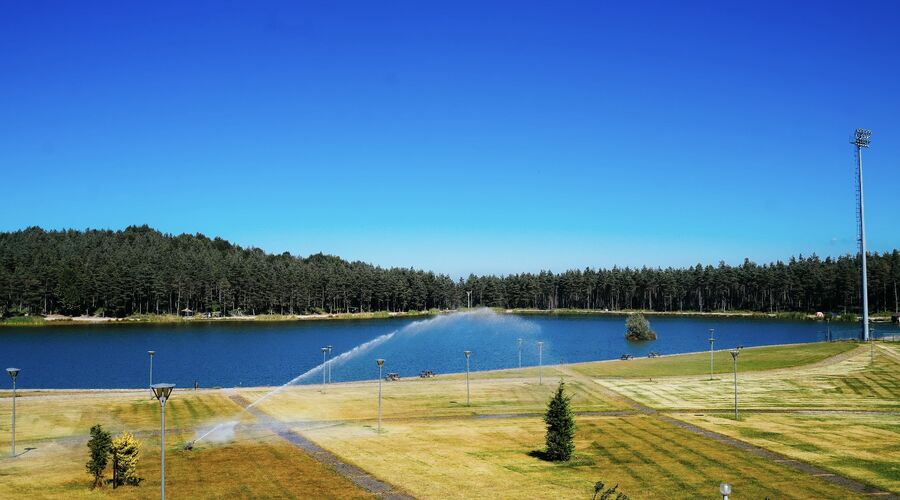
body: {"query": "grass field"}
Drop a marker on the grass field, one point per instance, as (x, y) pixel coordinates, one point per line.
(489, 458)
(860, 446)
(433, 443)
(750, 359)
(438, 397)
(853, 383)
(55, 428)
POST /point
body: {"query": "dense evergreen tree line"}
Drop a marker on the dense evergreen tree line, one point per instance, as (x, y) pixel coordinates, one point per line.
(140, 270)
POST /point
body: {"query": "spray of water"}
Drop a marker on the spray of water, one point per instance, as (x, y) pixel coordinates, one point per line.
(225, 431)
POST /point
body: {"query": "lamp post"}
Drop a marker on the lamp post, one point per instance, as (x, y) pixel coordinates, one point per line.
(329, 363)
(324, 368)
(540, 363)
(519, 341)
(712, 339)
(725, 490)
(151, 353)
(469, 298)
(380, 363)
(162, 393)
(13, 373)
(862, 139)
(734, 355)
(467, 353)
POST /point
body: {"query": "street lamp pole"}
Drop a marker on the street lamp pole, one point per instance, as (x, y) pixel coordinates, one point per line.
(469, 298)
(520, 351)
(734, 355)
(162, 393)
(13, 373)
(467, 353)
(151, 353)
(380, 363)
(329, 363)
(324, 368)
(540, 363)
(712, 339)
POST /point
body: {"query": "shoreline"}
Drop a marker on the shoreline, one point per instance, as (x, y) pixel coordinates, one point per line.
(56, 391)
(62, 320)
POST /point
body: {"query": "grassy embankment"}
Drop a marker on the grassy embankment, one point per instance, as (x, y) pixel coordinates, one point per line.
(429, 448)
(431, 444)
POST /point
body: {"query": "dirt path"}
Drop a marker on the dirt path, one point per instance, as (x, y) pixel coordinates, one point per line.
(777, 458)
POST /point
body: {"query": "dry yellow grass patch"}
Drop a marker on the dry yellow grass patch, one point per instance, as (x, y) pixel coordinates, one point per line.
(422, 398)
(854, 383)
(489, 458)
(66, 415)
(263, 468)
(863, 447)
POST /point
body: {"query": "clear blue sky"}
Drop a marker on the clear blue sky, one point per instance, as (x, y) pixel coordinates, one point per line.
(457, 136)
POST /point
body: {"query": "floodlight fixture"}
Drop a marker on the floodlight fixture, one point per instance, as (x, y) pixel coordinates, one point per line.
(862, 138)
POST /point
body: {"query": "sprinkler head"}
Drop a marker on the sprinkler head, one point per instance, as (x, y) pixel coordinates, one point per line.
(188, 446)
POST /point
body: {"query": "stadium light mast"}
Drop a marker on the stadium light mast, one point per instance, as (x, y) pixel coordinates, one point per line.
(861, 139)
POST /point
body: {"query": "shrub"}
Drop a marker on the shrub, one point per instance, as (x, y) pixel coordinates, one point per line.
(638, 328)
(125, 451)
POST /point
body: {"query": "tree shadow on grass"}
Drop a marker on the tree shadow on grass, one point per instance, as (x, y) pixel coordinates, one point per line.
(541, 455)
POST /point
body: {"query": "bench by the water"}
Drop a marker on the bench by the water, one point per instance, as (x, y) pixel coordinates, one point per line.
(391, 377)
(426, 374)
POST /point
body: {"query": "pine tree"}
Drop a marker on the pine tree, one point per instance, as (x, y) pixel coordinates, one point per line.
(125, 451)
(99, 444)
(560, 426)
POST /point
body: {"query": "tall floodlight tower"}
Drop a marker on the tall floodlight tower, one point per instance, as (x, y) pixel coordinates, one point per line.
(861, 140)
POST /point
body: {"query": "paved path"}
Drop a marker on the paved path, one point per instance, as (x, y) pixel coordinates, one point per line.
(359, 477)
(806, 468)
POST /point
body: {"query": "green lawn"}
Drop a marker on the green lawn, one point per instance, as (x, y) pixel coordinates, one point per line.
(750, 359)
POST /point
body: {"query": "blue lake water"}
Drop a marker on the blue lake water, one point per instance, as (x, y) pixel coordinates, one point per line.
(228, 354)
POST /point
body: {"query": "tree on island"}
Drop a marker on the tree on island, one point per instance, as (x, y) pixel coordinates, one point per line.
(99, 446)
(638, 328)
(560, 427)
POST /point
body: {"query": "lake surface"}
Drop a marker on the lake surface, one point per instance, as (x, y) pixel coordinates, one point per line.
(231, 354)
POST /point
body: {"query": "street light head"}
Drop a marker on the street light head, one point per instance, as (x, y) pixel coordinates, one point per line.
(725, 489)
(13, 372)
(324, 349)
(151, 353)
(379, 362)
(734, 353)
(162, 391)
(861, 138)
(467, 353)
